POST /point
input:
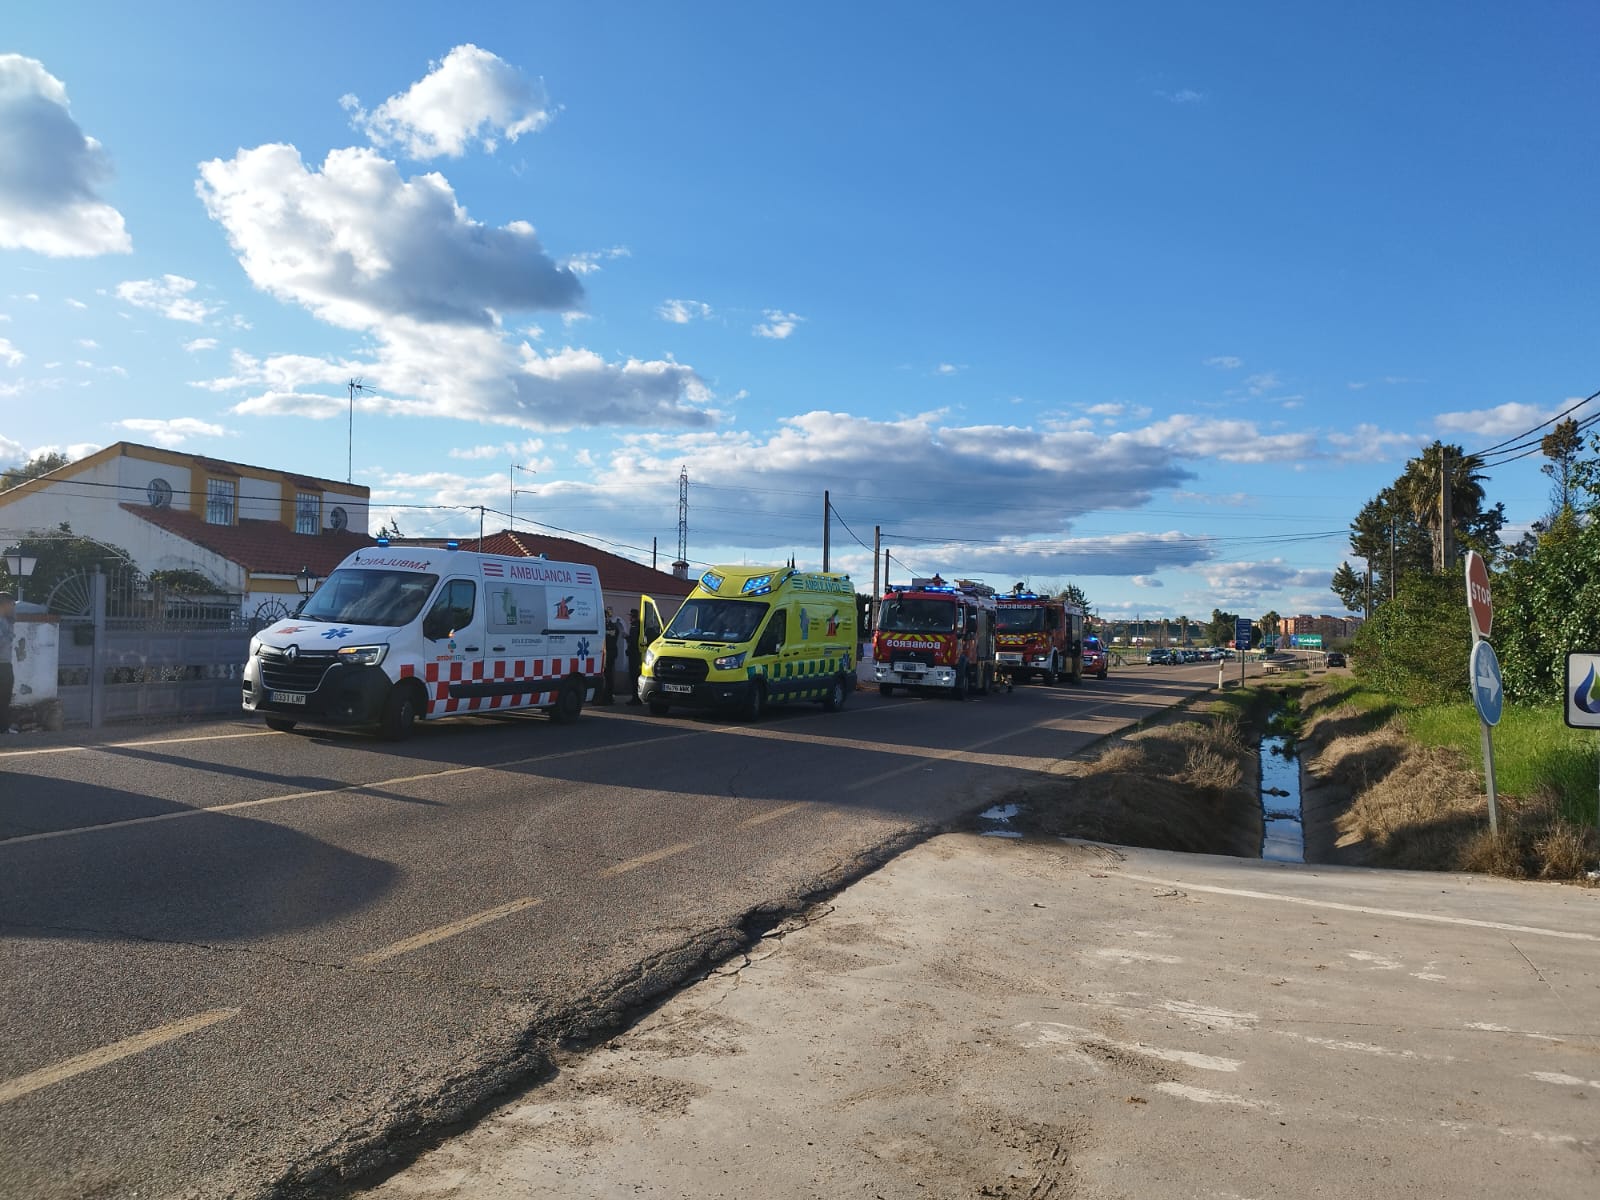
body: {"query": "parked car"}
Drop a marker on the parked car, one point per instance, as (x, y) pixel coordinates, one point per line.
(1334, 659)
(1158, 657)
(1096, 661)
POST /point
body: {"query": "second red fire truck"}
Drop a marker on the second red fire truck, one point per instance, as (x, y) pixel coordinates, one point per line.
(1039, 636)
(936, 636)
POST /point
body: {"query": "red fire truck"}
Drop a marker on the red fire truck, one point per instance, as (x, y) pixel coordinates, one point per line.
(934, 635)
(1039, 636)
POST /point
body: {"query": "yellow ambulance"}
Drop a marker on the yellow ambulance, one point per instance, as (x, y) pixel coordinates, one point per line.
(748, 637)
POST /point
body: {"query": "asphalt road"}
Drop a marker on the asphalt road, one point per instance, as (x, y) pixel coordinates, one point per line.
(242, 963)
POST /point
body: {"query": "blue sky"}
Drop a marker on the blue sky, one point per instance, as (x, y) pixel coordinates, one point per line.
(1150, 301)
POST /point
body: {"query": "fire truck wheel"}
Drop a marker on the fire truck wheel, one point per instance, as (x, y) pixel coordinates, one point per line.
(835, 698)
(959, 690)
(985, 679)
(886, 689)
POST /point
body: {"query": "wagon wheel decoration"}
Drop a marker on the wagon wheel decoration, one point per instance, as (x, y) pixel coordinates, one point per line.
(269, 612)
(73, 594)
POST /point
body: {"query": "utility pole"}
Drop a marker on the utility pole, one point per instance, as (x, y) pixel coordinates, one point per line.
(877, 590)
(827, 512)
(681, 567)
(1446, 525)
(515, 467)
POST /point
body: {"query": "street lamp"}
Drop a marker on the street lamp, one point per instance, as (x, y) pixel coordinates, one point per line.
(307, 581)
(19, 566)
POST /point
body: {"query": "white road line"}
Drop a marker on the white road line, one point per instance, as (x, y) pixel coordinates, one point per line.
(348, 789)
(210, 737)
(13, 1089)
(644, 860)
(1402, 914)
(428, 936)
(782, 810)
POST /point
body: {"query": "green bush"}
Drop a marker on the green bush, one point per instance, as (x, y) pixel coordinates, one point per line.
(1416, 646)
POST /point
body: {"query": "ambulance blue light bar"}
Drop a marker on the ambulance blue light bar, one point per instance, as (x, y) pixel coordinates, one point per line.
(760, 585)
(452, 545)
(383, 541)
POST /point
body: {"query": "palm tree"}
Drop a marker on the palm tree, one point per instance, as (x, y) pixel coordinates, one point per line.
(1183, 637)
(1421, 488)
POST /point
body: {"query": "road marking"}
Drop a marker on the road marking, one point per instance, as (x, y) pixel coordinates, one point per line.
(1402, 914)
(429, 936)
(644, 860)
(348, 789)
(13, 1089)
(781, 811)
(210, 737)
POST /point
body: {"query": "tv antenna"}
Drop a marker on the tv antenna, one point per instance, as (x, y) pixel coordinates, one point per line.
(349, 469)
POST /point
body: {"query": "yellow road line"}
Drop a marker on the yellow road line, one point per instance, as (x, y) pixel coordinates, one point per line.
(644, 860)
(772, 815)
(429, 936)
(13, 1089)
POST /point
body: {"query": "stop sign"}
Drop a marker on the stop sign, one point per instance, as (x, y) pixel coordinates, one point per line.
(1479, 606)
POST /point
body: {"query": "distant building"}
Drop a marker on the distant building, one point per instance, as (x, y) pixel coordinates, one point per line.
(1328, 627)
(249, 530)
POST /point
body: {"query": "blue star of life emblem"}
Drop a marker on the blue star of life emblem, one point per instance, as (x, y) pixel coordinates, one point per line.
(583, 647)
(334, 634)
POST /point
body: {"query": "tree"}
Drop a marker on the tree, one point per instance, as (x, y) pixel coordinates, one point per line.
(1073, 594)
(40, 464)
(390, 529)
(1219, 630)
(1422, 487)
(1561, 446)
(1269, 625)
(1350, 587)
(60, 552)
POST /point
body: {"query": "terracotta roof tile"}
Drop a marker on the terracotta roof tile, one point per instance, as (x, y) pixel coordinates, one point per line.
(260, 547)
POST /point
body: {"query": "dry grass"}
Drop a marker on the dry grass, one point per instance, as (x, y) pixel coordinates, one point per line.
(1184, 786)
(1423, 808)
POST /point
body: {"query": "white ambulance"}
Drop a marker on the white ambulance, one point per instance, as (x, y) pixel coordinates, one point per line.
(398, 634)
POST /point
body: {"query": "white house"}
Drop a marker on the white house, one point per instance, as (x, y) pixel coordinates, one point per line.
(250, 530)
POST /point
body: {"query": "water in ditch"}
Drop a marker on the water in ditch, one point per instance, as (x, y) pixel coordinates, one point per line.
(1283, 831)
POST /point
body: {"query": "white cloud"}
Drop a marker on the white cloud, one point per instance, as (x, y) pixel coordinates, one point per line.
(168, 296)
(199, 344)
(172, 432)
(1368, 443)
(50, 172)
(10, 355)
(1235, 441)
(1183, 96)
(356, 244)
(948, 369)
(79, 304)
(588, 262)
(681, 312)
(12, 453)
(779, 324)
(1226, 362)
(1503, 420)
(1147, 581)
(469, 96)
(1262, 383)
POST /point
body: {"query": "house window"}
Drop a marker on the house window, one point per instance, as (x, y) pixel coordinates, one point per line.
(307, 512)
(220, 495)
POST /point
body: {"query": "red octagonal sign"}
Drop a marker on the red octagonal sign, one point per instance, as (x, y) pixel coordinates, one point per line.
(1479, 606)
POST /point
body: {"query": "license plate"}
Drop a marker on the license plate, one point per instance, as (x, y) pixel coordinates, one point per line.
(1011, 658)
(288, 697)
(910, 668)
(682, 689)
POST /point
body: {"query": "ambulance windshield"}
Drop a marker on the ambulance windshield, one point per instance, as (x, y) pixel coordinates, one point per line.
(704, 619)
(370, 597)
(918, 616)
(1018, 620)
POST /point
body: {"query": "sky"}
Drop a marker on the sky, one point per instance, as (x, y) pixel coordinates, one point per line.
(1148, 299)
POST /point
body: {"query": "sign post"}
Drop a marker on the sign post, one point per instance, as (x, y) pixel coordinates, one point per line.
(1484, 668)
(1241, 641)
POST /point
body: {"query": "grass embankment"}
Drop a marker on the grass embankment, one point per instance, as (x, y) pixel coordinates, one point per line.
(1412, 776)
(1187, 783)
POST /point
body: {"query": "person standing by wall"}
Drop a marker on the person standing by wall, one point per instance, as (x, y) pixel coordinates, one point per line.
(8, 678)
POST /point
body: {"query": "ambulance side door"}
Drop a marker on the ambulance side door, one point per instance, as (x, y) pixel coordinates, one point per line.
(454, 632)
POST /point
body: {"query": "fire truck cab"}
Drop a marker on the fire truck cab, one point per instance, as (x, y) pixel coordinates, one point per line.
(935, 636)
(1039, 636)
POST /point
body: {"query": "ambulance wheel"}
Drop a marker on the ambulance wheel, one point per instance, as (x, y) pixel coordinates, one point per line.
(399, 714)
(835, 698)
(659, 708)
(755, 703)
(569, 703)
(281, 725)
(886, 689)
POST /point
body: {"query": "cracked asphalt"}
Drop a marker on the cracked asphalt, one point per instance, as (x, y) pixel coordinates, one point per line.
(235, 963)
